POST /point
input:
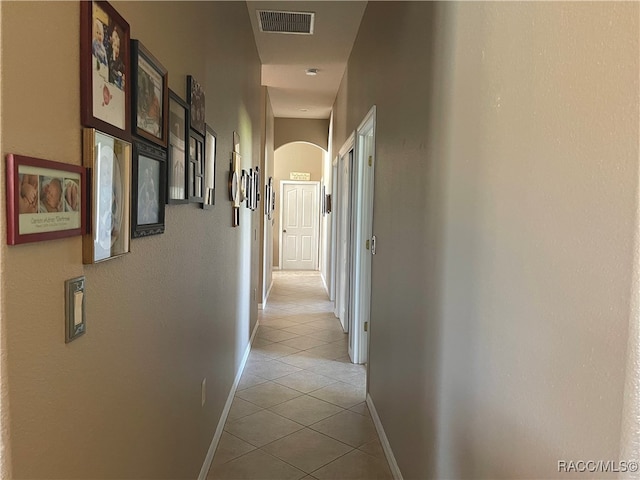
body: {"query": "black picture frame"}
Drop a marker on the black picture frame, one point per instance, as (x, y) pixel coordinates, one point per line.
(249, 191)
(195, 99)
(150, 95)
(196, 167)
(210, 146)
(256, 187)
(149, 189)
(105, 70)
(178, 158)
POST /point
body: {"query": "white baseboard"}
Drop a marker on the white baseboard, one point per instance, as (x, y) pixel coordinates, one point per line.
(263, 305)
(324, 282)
(386, 446)
(225, 411)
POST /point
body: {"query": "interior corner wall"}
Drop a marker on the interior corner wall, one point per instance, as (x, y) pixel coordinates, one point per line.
(505, 199)
(124, 400)
(288, 130)
(293, 157)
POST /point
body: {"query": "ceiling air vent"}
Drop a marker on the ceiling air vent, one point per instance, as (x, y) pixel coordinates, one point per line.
(273, 21)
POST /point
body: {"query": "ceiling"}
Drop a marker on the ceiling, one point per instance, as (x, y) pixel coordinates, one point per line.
(285, 57)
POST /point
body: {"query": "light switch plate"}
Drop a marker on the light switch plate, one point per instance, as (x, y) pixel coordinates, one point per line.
(74, 318)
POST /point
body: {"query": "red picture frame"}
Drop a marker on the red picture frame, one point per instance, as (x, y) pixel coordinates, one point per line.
(105, 69)
(46, 200)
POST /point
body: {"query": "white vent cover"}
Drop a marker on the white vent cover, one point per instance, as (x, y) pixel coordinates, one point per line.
(274, 21)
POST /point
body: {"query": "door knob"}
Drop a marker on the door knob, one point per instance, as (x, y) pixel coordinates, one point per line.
(284, 231)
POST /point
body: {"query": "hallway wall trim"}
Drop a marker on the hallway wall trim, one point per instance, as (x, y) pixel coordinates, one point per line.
(225, 412)
(262, 306)
(386, 446)
(324, 283)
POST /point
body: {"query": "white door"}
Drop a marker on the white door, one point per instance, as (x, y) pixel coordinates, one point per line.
(300, 219)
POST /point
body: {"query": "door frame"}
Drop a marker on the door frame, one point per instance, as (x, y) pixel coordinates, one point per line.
(337, 208)
(316, 184)
(363, 232)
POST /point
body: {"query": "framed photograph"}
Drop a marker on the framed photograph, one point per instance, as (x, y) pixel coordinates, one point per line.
(196, 167)
(267, 199)
(108, 161)
(273, 203)
(256, 187)
(178, 180)
(249, 189)
(235, 179)
(45, 199)
(270, 201)
(195, 99)
(150, 95)
(105, 67)
(210, 169)
(149, 181)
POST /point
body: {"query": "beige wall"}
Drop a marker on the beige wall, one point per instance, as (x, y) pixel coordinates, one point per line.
(123, 401)
(505, 199)
(293, 157)
(289, 130)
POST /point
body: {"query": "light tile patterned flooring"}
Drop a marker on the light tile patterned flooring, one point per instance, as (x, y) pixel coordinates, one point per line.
(299, 411)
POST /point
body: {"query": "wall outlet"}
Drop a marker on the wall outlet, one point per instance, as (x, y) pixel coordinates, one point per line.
(204, 391)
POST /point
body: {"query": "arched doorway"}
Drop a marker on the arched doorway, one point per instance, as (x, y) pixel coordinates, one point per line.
(298, 176)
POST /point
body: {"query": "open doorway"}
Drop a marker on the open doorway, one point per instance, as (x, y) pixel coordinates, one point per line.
(297, 164)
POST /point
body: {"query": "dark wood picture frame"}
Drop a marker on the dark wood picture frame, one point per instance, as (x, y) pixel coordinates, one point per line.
(32, 184)
(108, 162)
(150, 95)
(105, 69)
(195, 99)
(149, 189)
(210, 146)
(178, 155)
(196, 167)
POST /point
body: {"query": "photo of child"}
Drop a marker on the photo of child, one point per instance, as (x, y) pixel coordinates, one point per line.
(28, 202)
(97, 46)
(116, 65)
(71, 195)
(50, 195)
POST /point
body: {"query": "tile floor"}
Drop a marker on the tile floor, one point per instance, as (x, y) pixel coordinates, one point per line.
(299, 411)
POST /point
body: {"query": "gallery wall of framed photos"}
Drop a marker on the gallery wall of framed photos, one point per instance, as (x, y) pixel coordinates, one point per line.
(150, 145)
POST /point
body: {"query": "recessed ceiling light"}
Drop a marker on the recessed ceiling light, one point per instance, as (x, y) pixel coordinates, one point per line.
(311, 71)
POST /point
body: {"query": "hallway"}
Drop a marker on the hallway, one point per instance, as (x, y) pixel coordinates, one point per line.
(299, 411)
